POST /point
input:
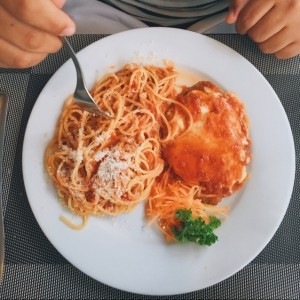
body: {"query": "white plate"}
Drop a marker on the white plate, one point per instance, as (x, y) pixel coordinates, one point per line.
(121, 251)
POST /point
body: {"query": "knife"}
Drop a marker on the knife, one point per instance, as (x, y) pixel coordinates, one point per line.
(3, 114)
(208, 23)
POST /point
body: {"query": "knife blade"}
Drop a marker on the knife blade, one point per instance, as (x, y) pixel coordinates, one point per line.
(3, 115)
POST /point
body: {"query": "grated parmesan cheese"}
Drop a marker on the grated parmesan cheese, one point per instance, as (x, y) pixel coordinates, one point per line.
(103, 137)
(113, 173)
(76, 155)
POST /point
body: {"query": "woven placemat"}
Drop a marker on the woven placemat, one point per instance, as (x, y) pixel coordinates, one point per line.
(34, 268)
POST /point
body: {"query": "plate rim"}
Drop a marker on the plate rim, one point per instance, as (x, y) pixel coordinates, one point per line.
(168, 30)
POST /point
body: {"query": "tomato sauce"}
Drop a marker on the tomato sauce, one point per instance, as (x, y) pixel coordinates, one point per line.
(215, 152)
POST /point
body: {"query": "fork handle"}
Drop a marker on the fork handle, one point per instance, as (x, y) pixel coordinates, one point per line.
(80, 80)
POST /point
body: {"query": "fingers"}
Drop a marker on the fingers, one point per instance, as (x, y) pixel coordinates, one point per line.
(280, 45)
(17, 58)
(266, 27)
(289, 51)
(251, 13)
(59, 3)
(275, 43)
(235, 6)
(25, 37)
(42, 14)
(30, 30)
(272, 24)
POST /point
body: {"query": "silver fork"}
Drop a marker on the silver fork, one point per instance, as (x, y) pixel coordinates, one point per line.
(82, 96)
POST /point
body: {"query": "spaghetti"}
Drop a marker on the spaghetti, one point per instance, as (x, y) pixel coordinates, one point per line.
(102, 166)
(178, 147)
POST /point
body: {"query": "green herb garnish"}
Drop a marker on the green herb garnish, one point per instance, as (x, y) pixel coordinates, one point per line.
(195, 230)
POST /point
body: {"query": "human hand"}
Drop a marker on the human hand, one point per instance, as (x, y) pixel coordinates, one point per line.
(30, 30)
(273, 24)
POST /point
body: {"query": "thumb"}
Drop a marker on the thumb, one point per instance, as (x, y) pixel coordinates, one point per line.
(235, 6)
(59, 3)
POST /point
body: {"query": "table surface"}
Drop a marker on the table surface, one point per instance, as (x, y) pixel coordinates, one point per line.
(35, 269)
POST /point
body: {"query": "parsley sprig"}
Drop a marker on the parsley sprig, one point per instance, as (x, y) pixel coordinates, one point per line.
(195, 229)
